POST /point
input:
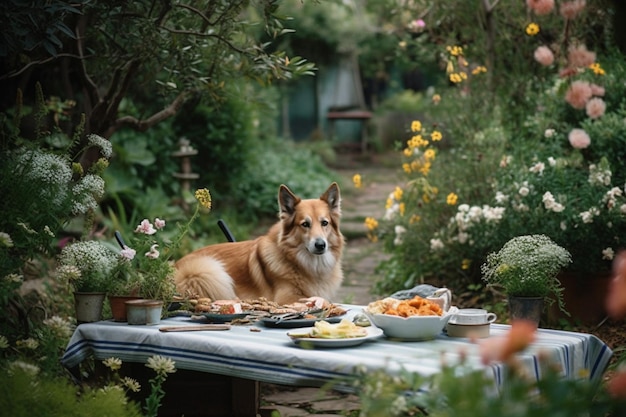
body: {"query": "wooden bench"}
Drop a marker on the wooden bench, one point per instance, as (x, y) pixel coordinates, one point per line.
(360, 115)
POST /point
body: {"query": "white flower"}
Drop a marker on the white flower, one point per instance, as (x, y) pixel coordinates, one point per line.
(608, 254)
(161, 365)
(60, 327)
(523, 191)
(551, 161)
(112, 363)
(25, 367)
(436, 244)
(399, 230)
(501, 197)
(131, 384)
(153, 253)
(128, 253)
(29, 343)
(5, 240)
(87, 192)
(538, 168)
(549, 133)
(159, 223)
(105, 146)
(622, 209)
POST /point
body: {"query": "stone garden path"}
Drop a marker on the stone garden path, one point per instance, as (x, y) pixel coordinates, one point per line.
(380, 175)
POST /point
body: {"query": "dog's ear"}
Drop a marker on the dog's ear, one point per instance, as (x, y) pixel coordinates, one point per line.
(333, 197)
(287, 200)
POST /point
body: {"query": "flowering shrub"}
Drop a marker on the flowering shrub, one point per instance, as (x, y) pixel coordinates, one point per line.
(527, 266)
(560, 173)
(141, 267)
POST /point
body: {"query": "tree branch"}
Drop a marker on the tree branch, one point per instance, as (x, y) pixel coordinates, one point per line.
(204, 35)
(143, 125)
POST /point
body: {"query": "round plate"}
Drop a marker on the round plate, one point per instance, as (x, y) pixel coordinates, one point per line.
(311, 342)
(294, 323)
(222, 318)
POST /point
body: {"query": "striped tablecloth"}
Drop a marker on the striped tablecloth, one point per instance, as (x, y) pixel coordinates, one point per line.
(270, 356)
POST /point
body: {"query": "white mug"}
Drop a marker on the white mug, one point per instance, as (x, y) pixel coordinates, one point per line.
(442, 297)
(473, 316)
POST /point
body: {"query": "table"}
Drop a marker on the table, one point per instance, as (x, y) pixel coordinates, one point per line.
(269, 355)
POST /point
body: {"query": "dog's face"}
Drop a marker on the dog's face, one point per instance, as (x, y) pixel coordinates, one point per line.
(312, 224)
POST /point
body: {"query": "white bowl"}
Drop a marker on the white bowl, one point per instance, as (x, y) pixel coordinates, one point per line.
(415, 328)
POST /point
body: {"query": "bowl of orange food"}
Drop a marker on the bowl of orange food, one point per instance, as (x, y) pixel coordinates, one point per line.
(415, 319)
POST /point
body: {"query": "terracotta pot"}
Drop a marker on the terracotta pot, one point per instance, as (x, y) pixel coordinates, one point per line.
(88, 306)
(118, 306)
(526, 308)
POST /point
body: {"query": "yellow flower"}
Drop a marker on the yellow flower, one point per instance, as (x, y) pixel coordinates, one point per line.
(414, 219)
(436, 98)
(436, 135)
(425, 169)
(466, 263)
(204, 197)
(429, 154)
(416, 126)
(406, 167)
(455, 78)
(532, 29)
(479, 69)
(356, 179)
(415, 165)
(397, 193)
(596, 68)
(372, 237)
(371, 223)
(455, 50)
(452, 199)
(388, 203)
(407, 152)
(402, 209)
(426, 198)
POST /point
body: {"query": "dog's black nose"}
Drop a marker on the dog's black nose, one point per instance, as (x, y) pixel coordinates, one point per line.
(320, 245)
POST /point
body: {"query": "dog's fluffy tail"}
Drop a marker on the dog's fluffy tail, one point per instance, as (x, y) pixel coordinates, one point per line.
(202, 276)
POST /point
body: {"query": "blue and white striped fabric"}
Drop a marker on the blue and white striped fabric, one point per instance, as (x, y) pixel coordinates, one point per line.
(269, 355)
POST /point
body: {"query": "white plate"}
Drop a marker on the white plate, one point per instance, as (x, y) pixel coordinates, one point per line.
(311, 342)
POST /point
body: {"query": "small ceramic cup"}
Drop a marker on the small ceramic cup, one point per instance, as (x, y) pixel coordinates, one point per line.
(473, 316)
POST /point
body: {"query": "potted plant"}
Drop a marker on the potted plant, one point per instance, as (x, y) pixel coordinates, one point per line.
(86, 267)
(526, 269)
(146, 269)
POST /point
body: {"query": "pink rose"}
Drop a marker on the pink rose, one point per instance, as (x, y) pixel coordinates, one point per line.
(544, 56)
(595, 107)
(578, 93)
(540, 7)
(579, 139)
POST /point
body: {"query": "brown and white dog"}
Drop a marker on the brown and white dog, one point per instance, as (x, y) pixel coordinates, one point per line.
(299, 257)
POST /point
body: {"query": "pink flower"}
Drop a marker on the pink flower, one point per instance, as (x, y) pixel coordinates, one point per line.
(159, 224)
(578, 93)
(128, 253)
(153, 253)
(595, 107)
(571, 9)
(145, 227)
(501, 349)
(540, 7)
(579, 139)
(597, 90)
(544, 56)
(580, 57)
(616, 298)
